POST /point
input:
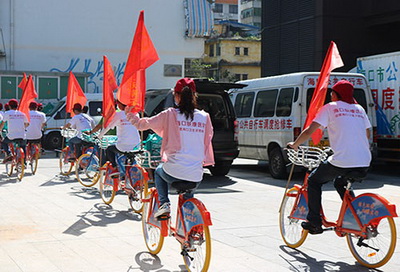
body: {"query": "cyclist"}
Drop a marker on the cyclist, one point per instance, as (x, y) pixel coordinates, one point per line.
(186, 145)
(36, 125)
(17, 122)
(127, 134)
(80, 122)
(349, 130)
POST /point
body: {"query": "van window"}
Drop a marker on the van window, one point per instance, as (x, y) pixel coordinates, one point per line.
(243, 104)
(284, 106)
(93, 106)
(359, 95)
(56, 108)
(60, 114)
(265, 103)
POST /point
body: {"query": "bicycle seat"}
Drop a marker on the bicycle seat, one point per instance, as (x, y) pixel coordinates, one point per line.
(183, 186)
(356, 175)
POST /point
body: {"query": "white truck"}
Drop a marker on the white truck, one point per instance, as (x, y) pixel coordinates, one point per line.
(383, 76)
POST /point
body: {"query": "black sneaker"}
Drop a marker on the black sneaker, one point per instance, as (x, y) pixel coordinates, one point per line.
(312, 229)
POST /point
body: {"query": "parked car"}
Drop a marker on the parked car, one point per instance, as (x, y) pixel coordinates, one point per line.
(214, 99)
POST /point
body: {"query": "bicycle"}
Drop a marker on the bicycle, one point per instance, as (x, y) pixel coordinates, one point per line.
(17, 161)
(87, 168)
(191, 229)
(33, 154)
(66, 162)
(366, 220)
(135, 183)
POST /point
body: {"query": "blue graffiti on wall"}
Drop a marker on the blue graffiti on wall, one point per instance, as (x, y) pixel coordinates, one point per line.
(95, 72)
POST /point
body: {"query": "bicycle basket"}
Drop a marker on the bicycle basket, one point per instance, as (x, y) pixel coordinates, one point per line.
(108, 140)
(69, 132)
(152, 144)
(91, 138)
(308, 156)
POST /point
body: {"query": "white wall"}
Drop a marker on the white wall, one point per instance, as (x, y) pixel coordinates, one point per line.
(53, 35)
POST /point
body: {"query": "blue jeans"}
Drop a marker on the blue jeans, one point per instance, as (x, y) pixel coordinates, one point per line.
(324, 173)
(163, 180)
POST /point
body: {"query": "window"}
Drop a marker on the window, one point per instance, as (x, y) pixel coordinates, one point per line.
(237, 77)
(284, 106)
(237, 51)
(245, 76)
(218, 49)
(233, 9)
(218, 8)
(246, 51)
(211, 54)
(265, 103)
(243, 104)
(257, 11)
(216, 107)
(95, 108)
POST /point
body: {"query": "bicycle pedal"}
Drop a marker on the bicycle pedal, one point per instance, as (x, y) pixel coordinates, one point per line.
(163, 217)
(328, 229)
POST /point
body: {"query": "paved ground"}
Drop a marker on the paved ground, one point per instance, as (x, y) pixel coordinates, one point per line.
(51, 223)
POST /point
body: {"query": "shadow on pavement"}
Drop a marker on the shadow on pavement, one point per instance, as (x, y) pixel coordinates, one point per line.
(148, 262)
(304, 262)
(373, 180)
(101, 215)
(60, 179)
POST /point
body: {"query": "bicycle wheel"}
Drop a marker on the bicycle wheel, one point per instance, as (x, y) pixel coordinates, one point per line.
(65, 165)
(9, 168)
(34, 163)
(291, 231)
(197, 257)
(20, 167)
(151, 232)
(106, 187)
(376, 250)
(138, 190)
(86, 170)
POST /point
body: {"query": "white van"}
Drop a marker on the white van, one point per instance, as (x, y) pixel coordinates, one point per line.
(56, 118)
(271, 112)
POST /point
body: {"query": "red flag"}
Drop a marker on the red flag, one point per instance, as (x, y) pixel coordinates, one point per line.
(74, 94)
(23, 82)
(109, 85)
(141, 56)
(332, 61)
(28, 95)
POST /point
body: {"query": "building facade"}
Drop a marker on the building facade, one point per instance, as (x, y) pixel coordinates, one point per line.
(296, 34)
(74, 35)
(250, 12)
(233, 59)
(225, 10)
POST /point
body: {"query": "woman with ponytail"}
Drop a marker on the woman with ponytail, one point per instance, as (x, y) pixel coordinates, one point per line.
(186, 145)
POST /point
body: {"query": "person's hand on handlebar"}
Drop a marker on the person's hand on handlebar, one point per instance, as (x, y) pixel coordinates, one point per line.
(292, 145)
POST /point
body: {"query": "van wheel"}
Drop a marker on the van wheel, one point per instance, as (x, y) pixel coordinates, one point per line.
(221, 168)
(277, 167)
(53, 140)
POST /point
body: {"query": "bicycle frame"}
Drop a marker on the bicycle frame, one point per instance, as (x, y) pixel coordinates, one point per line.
(189, 215)
(355, 212)
(16, 152)
(31, 150)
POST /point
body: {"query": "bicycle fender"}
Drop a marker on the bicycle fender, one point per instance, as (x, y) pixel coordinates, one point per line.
(369, 207)
(194, 213)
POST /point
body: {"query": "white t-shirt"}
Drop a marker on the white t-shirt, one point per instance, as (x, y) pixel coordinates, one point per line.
(187, 163)
(16, 124)
(347, 125)
(127, 134)
(81, 122)
(34, 130)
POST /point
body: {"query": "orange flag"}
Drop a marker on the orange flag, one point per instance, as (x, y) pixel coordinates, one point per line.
(28, 95)
(332, 61)
(23, 82)
(109, 85)
(74, 94)
(141, 56)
